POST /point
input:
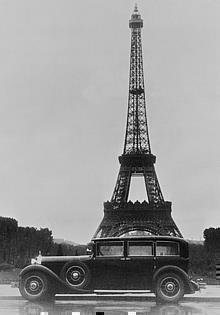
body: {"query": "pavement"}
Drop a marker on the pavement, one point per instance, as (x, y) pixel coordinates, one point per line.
(210, 294)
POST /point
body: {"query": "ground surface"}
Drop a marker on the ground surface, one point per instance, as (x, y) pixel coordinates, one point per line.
(21, 307)
(206, 302)
(210, 293)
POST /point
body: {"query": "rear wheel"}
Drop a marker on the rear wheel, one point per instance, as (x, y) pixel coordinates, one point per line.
(169, 288)
(34, 286)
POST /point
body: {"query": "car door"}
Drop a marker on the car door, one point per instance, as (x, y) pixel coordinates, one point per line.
(168, 253)
(109, 266)
(139, 264)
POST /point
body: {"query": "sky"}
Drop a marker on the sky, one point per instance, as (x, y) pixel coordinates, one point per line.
(63, 105)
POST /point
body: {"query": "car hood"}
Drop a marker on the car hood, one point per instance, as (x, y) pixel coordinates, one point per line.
(64, 258)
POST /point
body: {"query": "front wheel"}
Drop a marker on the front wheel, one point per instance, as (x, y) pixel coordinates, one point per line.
(34, 286)
(169, 288)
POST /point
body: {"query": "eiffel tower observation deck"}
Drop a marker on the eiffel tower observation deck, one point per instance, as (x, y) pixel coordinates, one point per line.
(152, 216)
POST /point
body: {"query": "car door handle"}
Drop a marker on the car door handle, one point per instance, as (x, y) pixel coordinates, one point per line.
(122, 258)
(127, 258)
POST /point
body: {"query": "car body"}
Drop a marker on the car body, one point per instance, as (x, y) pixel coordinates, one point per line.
(155, 263)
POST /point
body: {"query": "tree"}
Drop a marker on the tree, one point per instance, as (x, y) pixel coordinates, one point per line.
(8, 234)
(60, 250)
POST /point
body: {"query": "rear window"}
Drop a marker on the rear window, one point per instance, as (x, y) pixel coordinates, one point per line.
(136, 248)
(110, 249)
(167, 249)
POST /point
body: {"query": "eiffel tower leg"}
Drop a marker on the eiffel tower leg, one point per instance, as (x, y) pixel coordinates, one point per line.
(121, 191)
(138, 218)
(152, 185)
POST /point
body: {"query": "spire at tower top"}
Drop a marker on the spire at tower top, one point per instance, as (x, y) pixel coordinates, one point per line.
(135, 21)
(136, 7)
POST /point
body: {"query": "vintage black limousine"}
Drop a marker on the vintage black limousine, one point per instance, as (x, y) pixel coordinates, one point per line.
(155, 263)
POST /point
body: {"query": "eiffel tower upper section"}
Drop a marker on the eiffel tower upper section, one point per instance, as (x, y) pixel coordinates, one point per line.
(152, 216)
(137, 151)
(137, 137)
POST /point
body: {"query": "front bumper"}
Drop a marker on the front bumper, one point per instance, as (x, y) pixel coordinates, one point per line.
(197, 285)
(194, 285)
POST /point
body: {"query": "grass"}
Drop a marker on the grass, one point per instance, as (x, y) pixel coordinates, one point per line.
(6, 277)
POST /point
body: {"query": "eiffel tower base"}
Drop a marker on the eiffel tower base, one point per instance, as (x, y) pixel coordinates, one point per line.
(137, 219)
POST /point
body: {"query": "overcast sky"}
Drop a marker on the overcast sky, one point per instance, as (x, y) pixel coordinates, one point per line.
(63, 104)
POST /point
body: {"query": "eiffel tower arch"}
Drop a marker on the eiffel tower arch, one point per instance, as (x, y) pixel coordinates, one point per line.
(152, 216)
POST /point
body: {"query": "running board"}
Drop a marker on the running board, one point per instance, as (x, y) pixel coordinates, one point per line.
(121, 291)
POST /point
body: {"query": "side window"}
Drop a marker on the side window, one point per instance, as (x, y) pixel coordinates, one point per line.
(110, 249)
(167, 249)
(136, 248)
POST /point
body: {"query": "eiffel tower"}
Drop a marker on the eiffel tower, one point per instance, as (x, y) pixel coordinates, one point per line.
(152, 216)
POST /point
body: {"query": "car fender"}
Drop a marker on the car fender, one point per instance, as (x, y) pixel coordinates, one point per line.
(52, 274)
(177, 270)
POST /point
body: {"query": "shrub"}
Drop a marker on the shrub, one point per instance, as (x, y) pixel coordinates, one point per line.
(6, 267)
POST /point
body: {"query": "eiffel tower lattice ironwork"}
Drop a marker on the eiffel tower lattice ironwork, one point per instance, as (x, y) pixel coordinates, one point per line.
(123, 217)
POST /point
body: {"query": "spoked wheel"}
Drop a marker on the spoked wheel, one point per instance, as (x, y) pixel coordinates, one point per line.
(169, 288)
(76, 275)
(34, 286)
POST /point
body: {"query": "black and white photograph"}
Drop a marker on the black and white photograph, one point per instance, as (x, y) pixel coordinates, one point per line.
(110, 157)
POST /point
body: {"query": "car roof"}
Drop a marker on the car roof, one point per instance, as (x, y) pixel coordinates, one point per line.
(146, 237)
